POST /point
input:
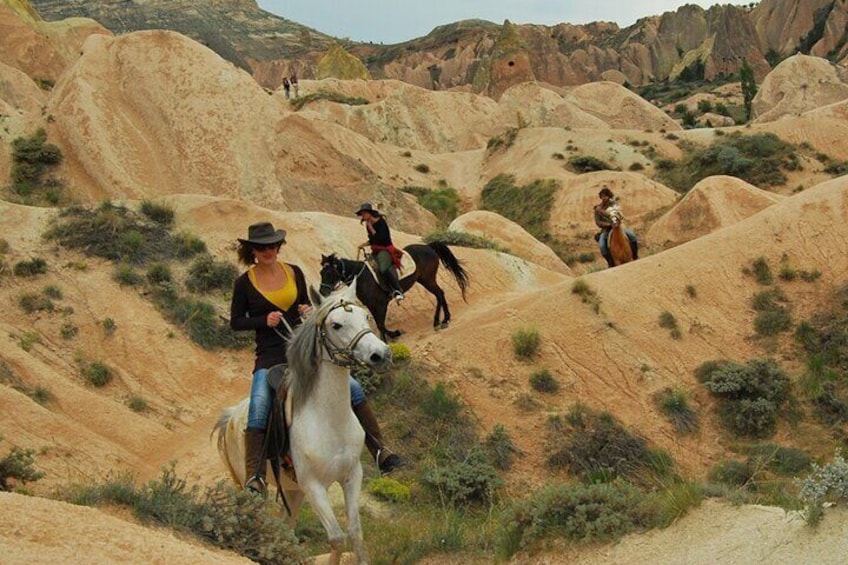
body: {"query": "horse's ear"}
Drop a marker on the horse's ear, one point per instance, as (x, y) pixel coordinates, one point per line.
(349, 292)
(323, 258)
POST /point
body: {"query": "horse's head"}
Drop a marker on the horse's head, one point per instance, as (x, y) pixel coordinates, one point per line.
(332, 273)
(346, 332)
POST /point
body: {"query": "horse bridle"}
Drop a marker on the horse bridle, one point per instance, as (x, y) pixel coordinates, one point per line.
(338, 267)
(341, 356)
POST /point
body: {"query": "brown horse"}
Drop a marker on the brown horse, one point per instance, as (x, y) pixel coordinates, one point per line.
(375, 296)
(619, 244)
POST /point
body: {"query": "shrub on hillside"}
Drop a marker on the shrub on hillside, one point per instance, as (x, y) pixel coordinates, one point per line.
(595, 447)
(159, 213)
(18, 467)
(751, 396)
(462, 239)
(461, 481)
(443, 202)
(30, 268)
(526, 342)
(828, 483)
(206, 274)
(587, 164)
(675, 406)
(529, 206)
(32, 158)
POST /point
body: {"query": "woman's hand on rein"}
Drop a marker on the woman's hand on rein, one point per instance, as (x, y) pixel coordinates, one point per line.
(273, 319)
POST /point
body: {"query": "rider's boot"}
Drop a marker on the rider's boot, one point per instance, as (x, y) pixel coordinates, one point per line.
(394, 283)
(384, 458)
(634, 246)
(609, 260)
(254, 461)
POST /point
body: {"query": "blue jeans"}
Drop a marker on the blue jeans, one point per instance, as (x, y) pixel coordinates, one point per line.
(262, 399)
(603, 241)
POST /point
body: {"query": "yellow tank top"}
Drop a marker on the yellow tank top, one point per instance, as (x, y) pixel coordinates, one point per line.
(282, 298)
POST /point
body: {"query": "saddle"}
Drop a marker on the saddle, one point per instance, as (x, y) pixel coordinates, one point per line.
(407, 267)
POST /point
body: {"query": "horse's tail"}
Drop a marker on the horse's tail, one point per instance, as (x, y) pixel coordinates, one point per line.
(452, 264)
(220, 428)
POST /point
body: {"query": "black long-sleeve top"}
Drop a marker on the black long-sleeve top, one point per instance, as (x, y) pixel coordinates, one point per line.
(381, 235)
(249, 310)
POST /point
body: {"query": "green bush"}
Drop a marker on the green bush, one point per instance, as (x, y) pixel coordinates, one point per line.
(505, 140)
(731, 472)
(97, 374)
(675, 406)
(159, 273)
(587, 164)
(828, 483)
(762, 271)
(500, 448)
(526, 342)
(32, 158)
(669, 322)
(159, 213)
(465, 480)
(187, 245)
(751, 396)
(597, 448)
(787, 461)
(30, 268)
(529, 206)
(544, 381)
(400, 352)
(126, 275)
(772, 317)
(462, 239)
(422, 168)
(587, 295)
(137, 403)
(443, 203)
(758, 159)
(199, 320)
(52, 291)
(18, 465)
(68, 331)
(206, 274)
(32, 302)
(578, 513)
(233, 520)
(440, 404)
(109, 326)
(330, 96)
(386, 488)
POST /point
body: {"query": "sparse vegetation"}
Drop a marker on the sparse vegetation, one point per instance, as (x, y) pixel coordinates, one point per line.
(526, 342)
(759, 159)
(207, 275)
(503, 141)
(328, 95)
(32, 159)
(18, 467)
(669, 322)
(828, 483)
(159, 213)
(587, 164)
(137, 403)
(30, 268)
(587, 295)
(96, 374)
(500, 448)
(772, 316)
(31, 302)
(529, 206)
(442, 202)
(544, 381)
(674, 405)
(232, 519)
(462, 239)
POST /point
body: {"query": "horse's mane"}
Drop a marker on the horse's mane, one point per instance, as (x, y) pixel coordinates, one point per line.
(303, 354)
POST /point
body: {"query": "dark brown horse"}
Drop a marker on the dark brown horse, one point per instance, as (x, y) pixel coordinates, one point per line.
(375, 295)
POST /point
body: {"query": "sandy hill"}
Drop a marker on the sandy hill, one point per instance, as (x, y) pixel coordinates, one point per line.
(712, 204)
(155, 116)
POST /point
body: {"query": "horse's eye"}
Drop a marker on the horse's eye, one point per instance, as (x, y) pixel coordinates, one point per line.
(337, 326)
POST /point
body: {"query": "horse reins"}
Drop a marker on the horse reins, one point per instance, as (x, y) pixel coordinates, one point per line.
(341, 271)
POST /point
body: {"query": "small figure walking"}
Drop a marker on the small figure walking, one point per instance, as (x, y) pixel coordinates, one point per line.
(294, 84)
(286, 86)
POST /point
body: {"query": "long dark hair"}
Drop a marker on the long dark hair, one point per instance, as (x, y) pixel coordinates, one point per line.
(245, 253)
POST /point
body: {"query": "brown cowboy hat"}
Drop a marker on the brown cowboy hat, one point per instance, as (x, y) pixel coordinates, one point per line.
(264, 233)
(367, 207)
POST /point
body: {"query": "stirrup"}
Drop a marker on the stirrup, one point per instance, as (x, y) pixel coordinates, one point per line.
(257, 485)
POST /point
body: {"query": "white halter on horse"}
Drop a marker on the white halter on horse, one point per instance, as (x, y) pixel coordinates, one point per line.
(326, 438)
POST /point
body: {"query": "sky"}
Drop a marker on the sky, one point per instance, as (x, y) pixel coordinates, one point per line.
(395, 21)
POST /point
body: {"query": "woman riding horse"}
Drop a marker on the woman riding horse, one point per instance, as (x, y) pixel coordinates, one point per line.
(607, 214)
(268, 299)
(384, 252)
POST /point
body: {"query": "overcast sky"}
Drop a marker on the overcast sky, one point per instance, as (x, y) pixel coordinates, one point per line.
(394, 21)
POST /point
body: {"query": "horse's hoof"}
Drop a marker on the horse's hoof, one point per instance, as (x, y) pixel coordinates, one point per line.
(441, 326)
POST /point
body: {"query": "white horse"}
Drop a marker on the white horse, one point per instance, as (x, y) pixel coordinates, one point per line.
(326, 438)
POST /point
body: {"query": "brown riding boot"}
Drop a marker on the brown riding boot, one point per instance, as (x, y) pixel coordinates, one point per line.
(385, 460)
(254, 461)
